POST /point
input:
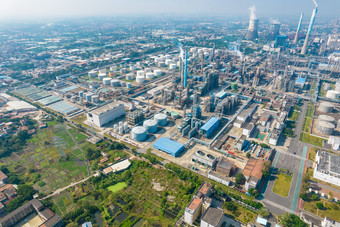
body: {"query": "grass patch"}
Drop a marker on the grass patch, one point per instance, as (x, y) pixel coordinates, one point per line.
(312, 153)
(316, 141)
(331, 210)
(282, 184)
(117, 187)
(307, 122)
(293, 115)
(241, 214)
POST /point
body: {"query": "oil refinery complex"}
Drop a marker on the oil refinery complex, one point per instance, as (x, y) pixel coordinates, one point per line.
(216, 106)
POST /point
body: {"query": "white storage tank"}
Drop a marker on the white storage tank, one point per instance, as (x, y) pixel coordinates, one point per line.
(326, 107)
(138, 133)
(140, 73)
(92, 74)
(140, 79)
(172, 66)
(129, 76)
(128, 85)
(162, 119)
(95, 99)
(133, 67)
(157, 59)
(333, 94)
(326, 118)
(115, 128)
(325, 128)
(122, 84)
(161, 64)
(126, 127)
(101, 76)
(150, 126)
(123, 70)
(157, 72)
(115, 83)
(149, 75)
(168, 61)
(106, 81)
(121, 129)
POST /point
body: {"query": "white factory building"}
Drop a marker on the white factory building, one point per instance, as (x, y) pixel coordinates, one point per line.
(105, 114)
(327, 167)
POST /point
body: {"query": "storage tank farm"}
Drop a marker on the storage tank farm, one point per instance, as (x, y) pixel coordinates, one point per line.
(138, 133)
(162, 119)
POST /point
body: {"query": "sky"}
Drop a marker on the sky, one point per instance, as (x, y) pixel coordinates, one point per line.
(39, 9)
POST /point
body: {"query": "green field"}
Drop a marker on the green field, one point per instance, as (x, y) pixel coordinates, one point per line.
(282, 184)
(331, 210)
(117, 187)
(40, 163)
(312, 153)
(317, 141)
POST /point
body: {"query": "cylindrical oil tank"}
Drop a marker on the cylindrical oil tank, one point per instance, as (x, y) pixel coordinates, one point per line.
(140, 79)
(157, 59)
(101, 76)
(126, 127)
(138, 133)
(92, 74)
(123, 70)
(129, 76)
(115, 128)
(175, 114)
(115, 83)
(172, 66)
(333, 94)
(162, 119)
(161, 64)
(157, 72)
(133, 67)
(149, 75)
(325, 128)
(150, 125)
(121, 129)
(128, 85)
(326, 107)
(106, 81)
(326, 118)
(95, 98)
(168, 61)
(120, 123)
(140, 73)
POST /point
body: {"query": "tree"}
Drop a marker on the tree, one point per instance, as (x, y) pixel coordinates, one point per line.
(248, 155)
(230, 206)
(264, 212)
(304, 196)
(266, 169)
(239, 178)
(320, 206)
(288, 220)
(253, 192)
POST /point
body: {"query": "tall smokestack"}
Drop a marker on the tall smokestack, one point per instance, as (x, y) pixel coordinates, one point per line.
(186, 69)
(253, 24)
(311, 23)
(298, 29)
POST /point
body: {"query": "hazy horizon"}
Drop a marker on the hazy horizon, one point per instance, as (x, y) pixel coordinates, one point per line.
(14, 10)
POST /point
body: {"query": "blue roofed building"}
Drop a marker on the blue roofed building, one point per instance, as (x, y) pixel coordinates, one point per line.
(169, 146)
(209, 127)
(301, 82)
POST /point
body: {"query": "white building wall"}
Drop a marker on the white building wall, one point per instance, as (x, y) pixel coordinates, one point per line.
(104, 118)
(326, 177)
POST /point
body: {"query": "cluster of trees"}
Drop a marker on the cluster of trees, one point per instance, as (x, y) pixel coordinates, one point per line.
(266, 170)
(253, 192)
(92, 154)
(25, 193)
(12, 177)
(83, 214)
(288, 220)
(13, 143)
(239, 179)
(250, 202)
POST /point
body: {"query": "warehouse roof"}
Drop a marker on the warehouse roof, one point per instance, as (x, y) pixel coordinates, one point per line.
(20, 106)
(105, 108)
(213, 216)
(212, 121)
(169, 146)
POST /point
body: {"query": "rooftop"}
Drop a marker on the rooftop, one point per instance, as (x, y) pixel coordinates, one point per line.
(195, 203)
(213, 216)
(254, 168)
(105, 108)
(212, 121)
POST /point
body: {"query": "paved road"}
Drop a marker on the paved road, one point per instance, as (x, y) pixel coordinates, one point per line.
(293, 160)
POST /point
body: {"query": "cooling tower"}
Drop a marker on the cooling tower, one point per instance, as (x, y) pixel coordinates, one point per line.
(253, 25)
